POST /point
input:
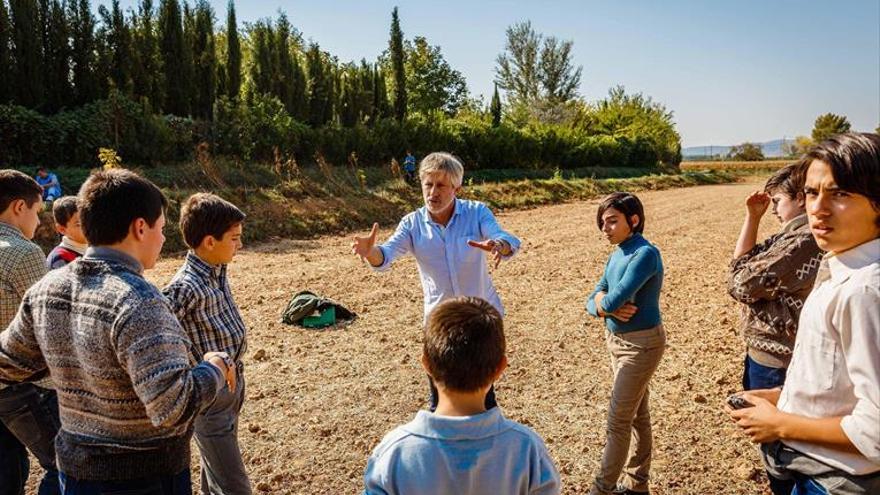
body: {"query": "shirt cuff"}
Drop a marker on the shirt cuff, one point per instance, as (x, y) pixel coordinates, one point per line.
(386, 261)
(854, 427)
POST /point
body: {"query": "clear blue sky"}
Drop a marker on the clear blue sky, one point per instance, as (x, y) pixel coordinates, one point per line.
(731, 71)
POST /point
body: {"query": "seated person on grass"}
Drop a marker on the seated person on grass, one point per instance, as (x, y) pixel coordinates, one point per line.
(462, 448)
(50, 184)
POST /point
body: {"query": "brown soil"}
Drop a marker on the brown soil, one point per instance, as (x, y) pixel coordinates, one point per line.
(319, 401)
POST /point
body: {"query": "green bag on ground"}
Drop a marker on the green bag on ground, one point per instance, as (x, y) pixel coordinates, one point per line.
(302, 309)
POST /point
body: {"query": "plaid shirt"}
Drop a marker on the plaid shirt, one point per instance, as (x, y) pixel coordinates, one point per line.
(201, 299)
(22, 263)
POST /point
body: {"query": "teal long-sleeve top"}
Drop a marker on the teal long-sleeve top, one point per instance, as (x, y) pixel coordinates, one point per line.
(633, 273)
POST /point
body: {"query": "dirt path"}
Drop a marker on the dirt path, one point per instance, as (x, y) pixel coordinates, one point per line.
(318, 402)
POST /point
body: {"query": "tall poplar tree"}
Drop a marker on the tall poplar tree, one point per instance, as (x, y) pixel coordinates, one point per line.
(398, 67)
(171, 53)
(233, 53)
(27, 53)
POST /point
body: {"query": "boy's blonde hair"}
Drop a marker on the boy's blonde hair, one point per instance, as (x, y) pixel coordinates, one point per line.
(440, 161)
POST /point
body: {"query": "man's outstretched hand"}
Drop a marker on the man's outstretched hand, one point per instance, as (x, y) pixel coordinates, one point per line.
(499, 249)
(363, 246)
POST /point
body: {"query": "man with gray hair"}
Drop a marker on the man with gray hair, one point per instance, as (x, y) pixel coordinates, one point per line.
(449, 238)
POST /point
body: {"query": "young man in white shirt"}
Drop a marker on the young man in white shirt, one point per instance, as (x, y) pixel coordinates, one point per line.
(822, 428)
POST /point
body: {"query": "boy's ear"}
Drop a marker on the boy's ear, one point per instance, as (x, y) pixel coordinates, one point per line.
(61, 229)
(425, 364)
(208, 242)
(138, 228)
(634, 220)
(801, 200)
(501, 367)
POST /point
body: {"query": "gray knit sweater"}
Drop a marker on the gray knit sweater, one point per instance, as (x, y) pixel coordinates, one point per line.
(120, 362)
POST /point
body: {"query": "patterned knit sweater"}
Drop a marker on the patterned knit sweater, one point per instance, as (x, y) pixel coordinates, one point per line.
(772, 280)
(121, 365)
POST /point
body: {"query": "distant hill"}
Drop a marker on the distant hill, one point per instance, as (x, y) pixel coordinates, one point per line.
(771, 149)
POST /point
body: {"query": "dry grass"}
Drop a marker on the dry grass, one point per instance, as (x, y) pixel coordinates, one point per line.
(735, 166)
(319, 401)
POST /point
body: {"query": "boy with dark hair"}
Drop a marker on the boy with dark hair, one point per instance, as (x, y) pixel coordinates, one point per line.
(117, 355)
(772, 279)
(202, 300)
(462, 447)
(73, 241)
(821, 429)
(28, 411)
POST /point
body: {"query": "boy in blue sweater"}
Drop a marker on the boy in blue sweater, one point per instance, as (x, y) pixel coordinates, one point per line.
(462, 447)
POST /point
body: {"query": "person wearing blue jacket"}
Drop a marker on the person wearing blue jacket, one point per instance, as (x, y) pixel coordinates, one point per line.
(627, 297)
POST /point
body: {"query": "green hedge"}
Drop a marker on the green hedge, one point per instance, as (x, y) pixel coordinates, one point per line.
(253, 130)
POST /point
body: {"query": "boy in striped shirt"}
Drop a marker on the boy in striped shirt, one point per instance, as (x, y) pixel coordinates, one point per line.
(201, 299)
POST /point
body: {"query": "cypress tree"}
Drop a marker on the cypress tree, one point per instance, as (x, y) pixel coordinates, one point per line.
(299, 86)
(146, 75)
(283, 73)
(27, 52)
(5, 55)
(171, 53)
(83, 45)
(56, 53)
(117, 40)
(189, 40)
(233, 54)
(495, 108)
(381, 108)
(204, 61)
(320, 88)
(397, 67)
(262, 66)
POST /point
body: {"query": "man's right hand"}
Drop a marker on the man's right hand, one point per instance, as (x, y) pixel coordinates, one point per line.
(757, 203)
(771, 395)
(365, 247)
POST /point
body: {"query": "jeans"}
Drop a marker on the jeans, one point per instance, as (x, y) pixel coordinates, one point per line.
(30, 413)
(178, 484)
(216, 435)
(811, 477)
(433, 398)
(14, 464)
(757, 376)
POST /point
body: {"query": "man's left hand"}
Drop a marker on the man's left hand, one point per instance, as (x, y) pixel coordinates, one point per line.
(499, 248)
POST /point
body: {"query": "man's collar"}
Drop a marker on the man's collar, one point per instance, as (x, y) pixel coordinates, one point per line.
(426, 215)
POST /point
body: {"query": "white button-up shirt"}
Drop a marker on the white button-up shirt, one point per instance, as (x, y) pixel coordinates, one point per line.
(449, 267)
(835, 368)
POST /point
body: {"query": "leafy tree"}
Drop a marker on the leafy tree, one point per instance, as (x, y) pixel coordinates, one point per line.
(398, 69)
(27, 53)
(173, 58)
(749, 152)
(537, 73)
(516, 69)
(558, 76)
(637, 118)
(828, 125)
(299, 88)
(431, 83)
(495, 108)
(233, 54)
(6, 85)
